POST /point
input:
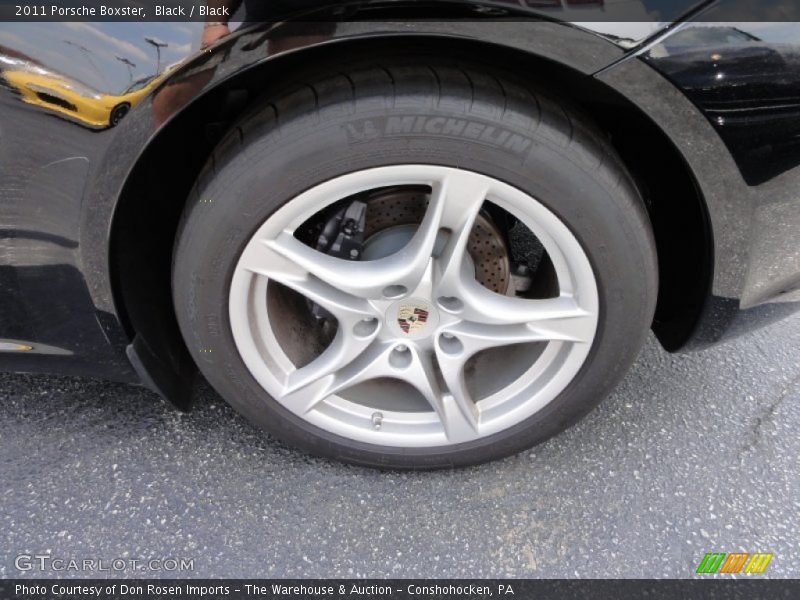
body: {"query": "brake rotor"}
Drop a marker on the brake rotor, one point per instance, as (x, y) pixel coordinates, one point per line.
(486, 245)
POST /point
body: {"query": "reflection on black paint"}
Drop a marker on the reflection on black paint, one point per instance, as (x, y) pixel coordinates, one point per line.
(49, 305)
(729, 11)
(45, 89)
(748, 85)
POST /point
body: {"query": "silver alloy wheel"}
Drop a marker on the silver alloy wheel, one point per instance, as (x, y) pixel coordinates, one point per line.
(373, 300)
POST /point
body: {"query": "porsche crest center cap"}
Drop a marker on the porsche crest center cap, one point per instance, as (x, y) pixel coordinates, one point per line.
(413, 318)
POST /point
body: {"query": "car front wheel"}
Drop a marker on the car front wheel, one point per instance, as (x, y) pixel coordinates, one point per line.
(414, 265)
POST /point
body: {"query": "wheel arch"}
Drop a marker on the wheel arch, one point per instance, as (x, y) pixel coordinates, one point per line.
(153, 195)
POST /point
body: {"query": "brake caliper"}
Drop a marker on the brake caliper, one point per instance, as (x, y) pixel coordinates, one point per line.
(342, 237)
(343, 234)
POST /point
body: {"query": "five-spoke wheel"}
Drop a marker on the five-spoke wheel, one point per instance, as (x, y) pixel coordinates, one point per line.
(414, 264)
(417, 315)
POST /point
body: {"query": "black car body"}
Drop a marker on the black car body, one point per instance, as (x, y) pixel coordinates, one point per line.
(89, 214)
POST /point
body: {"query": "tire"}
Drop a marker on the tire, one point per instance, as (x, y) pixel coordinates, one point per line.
(325, 127)
(118, 113)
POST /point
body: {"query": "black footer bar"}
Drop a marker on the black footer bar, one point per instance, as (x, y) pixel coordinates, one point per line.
(397, 589)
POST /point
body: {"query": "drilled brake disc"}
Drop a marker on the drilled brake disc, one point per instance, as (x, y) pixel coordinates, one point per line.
(486, 246)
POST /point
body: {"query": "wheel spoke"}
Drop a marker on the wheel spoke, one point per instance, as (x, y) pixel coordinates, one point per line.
(263, 260)
(317, 381)
(344, 348)
(454, 204)
(462, 194)
(561, 317)
(547, 319)
(458, 414)
(575, 326)
(371, 363)
(457, 404)
(366, 279)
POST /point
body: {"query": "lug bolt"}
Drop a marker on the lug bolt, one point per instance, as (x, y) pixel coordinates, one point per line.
(401, 348)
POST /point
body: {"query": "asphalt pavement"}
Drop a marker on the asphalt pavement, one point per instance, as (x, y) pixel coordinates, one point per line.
(693, 453)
